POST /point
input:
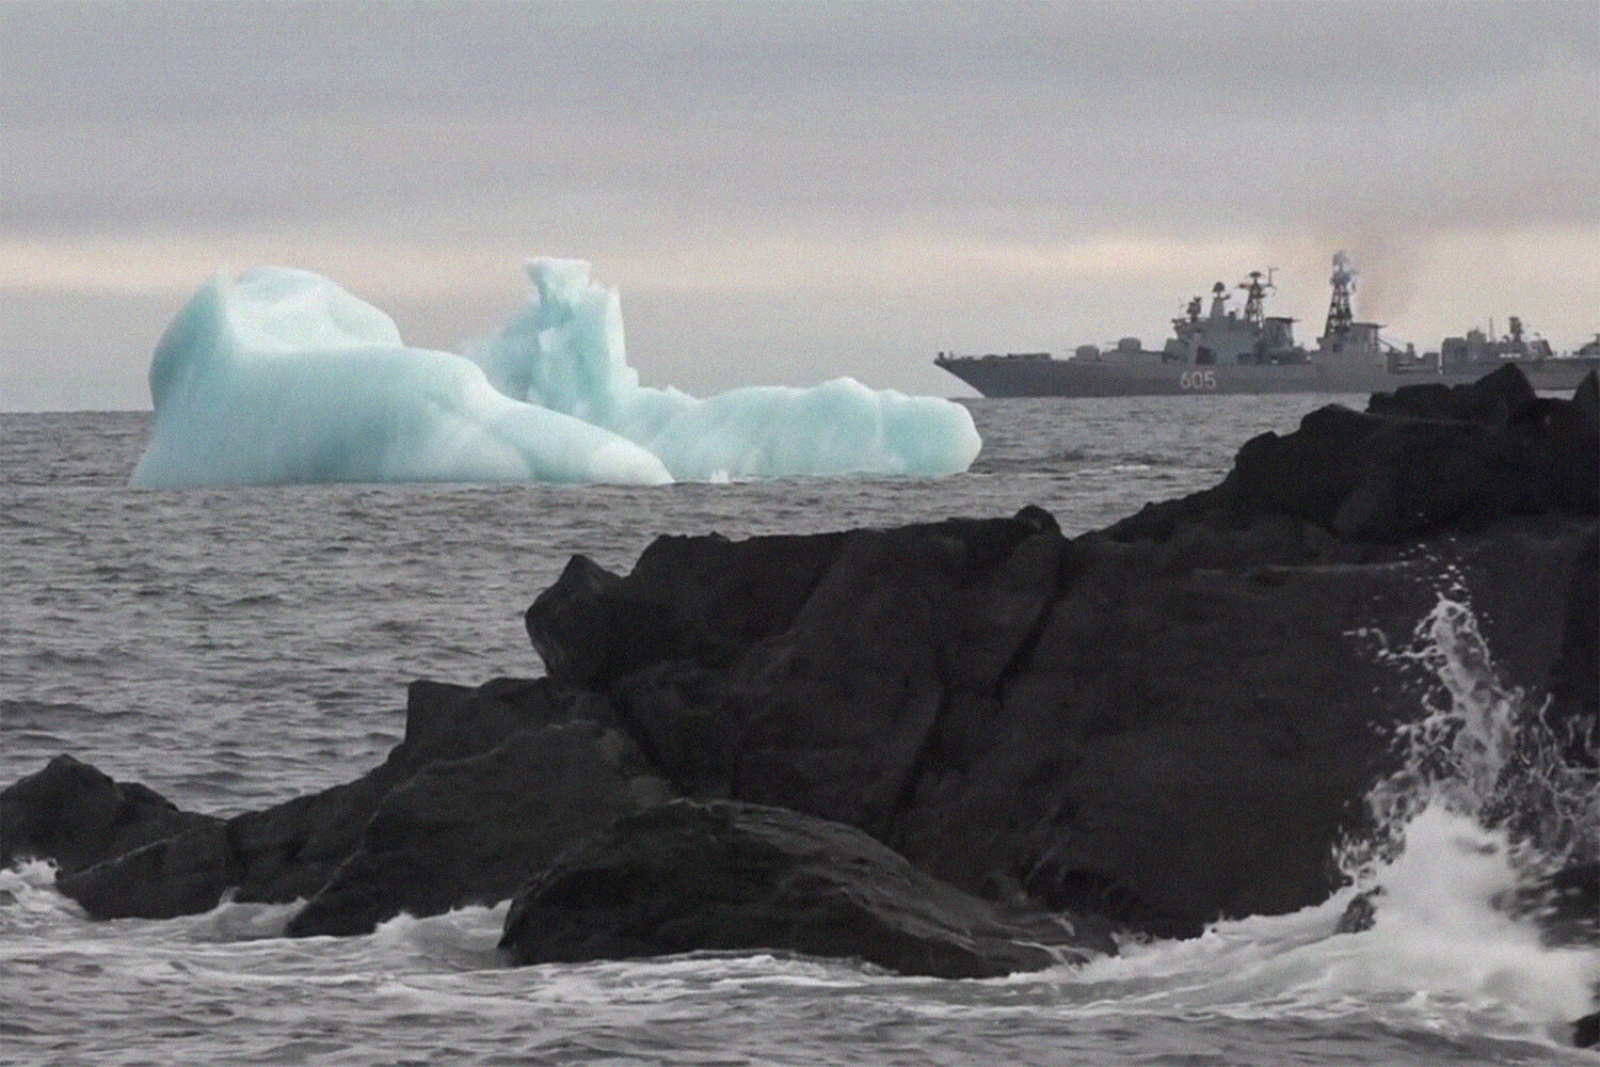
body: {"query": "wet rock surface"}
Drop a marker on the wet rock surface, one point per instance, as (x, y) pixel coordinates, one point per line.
(1162, 723)
(723, 876)
(75, 815)
(468, 831)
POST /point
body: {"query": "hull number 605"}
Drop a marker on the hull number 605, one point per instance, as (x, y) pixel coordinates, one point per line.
(1198, 379)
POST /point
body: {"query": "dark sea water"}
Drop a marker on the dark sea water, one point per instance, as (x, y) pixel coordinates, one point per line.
(232, 648)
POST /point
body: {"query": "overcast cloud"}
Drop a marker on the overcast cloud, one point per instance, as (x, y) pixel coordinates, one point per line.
(786, 192)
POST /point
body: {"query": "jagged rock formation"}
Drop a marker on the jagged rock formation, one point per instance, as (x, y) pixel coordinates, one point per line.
(1162, 723)
(75, 815)
(1167, 722)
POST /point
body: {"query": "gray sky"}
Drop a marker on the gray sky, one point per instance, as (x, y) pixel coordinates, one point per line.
(785, 192)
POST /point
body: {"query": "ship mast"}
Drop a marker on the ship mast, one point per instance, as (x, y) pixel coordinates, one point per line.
(1255, 295)
(1339, 315)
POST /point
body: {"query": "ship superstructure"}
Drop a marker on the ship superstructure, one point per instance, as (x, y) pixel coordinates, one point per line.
(1480, 347)
(1226, 336)
(1250, 352)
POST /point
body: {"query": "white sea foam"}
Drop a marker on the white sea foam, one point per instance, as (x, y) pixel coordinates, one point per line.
(1482, 750)
(28, 897)
(231, 921)
(1482, 803)
(1442, 953)
(461, 939)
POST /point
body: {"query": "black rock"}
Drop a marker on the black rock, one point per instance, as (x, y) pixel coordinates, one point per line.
(1573, 712)
(724, 876)
(1586, 1031)
(470, 831)
(75, 815)
(1360, 913)
(1498, 398)
(123, 851)
(1102, 724)
(291, 851)
(183, 875)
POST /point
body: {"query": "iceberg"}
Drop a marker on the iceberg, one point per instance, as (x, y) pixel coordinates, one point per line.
(284, 377)
(566, 352)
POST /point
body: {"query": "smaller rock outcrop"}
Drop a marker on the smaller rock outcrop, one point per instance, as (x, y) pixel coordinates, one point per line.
(460, 810)
(1586, 1031)
(469, 831)
(291, 850)
(182, 875)
(75, 816)
(1420, 460)
(693, 876)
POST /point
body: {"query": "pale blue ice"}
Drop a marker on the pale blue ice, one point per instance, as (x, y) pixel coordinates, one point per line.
(284, 377)
(565, 352)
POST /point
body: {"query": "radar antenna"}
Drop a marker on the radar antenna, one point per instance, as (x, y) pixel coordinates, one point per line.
(1255, 295)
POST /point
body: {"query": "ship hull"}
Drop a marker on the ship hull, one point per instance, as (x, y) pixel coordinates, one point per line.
(999, 377)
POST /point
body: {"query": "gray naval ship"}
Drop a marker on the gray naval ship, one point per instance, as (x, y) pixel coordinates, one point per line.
(1250, 352)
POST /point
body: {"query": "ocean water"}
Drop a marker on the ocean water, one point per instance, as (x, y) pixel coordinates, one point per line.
(232, 648)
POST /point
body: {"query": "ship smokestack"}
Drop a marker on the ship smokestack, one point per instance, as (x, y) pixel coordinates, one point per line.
(1344, 271)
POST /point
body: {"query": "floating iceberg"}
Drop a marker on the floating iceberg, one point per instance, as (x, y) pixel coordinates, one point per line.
(285, 377)
(565, 352)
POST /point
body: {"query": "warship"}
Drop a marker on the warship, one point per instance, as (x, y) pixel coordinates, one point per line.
(1248, 352)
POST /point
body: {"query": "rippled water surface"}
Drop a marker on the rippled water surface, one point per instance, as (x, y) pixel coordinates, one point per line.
(231, 647)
